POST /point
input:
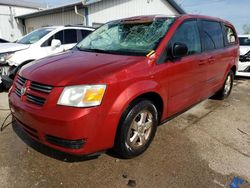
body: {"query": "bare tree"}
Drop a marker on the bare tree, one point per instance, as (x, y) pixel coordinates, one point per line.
(246, 28)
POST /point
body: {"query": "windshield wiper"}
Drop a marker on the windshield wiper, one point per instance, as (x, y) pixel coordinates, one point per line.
(97, 50)
(119, 52)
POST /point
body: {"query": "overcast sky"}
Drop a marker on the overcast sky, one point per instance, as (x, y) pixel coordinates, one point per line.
(235, 11)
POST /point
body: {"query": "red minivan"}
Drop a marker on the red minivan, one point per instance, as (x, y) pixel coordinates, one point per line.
(123, 80)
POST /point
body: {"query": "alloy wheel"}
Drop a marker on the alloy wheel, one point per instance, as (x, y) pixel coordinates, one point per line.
(228, 85)
(140, 129)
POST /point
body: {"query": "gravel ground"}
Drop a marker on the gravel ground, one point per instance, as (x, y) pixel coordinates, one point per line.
(205, 147)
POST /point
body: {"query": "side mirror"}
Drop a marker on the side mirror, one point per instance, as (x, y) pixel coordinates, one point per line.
(179, 50)
(55, 43)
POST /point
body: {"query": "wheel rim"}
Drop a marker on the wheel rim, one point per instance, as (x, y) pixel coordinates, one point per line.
(228, 85)
(140, 129)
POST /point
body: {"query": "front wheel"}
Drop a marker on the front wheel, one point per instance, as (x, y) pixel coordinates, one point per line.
(227, 87)
(136, 130)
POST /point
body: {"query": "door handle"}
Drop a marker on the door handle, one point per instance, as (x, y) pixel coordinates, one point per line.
(202, 62)
(211, 60)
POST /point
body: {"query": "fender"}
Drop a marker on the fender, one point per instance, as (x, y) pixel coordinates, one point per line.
(132, 92)
(120, 105)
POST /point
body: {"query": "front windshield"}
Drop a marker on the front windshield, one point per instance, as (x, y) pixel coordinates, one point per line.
(244, 41)
(129, 37)
(34, 36)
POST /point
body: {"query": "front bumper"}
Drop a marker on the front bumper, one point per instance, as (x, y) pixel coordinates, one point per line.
(68, 129)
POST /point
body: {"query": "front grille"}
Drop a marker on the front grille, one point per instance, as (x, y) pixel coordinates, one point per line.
(21, 80)
(34, 99)
(40, 87)
(34, 92)
(18, 92)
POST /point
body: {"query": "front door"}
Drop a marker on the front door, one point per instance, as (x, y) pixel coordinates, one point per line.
(183, 76)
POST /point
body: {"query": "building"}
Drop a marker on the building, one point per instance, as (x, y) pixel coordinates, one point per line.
(10, 28)
(96, 12)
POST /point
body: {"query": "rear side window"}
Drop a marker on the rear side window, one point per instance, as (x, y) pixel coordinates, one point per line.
(230, 36)
(188, 34)
(212, 36)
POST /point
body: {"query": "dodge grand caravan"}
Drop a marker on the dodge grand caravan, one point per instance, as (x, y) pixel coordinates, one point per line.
(123, 80)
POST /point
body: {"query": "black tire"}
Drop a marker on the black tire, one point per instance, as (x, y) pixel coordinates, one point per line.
(132, 117)
(225, 91)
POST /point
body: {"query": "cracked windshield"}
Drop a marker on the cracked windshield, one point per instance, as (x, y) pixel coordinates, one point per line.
(129, 37)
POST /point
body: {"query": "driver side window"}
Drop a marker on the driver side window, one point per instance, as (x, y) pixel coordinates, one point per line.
(188, 34)
(58, 36)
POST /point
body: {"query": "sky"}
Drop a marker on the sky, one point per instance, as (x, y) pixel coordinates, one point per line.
(235, 11)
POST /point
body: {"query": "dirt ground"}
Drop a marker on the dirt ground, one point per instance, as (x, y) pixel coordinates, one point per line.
(207, 146)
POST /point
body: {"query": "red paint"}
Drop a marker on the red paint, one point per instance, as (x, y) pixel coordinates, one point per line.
(180, 85)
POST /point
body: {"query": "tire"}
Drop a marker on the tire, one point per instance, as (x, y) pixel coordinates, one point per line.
(136, 130)
(225, 91)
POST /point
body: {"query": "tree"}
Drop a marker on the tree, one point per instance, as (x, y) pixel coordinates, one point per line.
(246, 28)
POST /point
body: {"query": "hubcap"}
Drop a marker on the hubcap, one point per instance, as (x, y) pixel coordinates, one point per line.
(228, 84)
(140, 129)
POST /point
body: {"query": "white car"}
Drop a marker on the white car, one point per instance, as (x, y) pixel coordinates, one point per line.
(38, 44)
(244, 61)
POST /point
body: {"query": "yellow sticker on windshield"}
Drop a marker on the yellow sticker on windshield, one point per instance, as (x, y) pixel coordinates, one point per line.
(150, 53)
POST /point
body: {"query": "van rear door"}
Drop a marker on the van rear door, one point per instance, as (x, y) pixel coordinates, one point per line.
(214, 55)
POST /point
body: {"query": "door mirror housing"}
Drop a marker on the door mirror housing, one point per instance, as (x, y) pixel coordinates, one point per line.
(179, 50)
(55, 43)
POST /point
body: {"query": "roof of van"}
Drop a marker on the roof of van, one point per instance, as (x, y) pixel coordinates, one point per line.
(204, 17)
(184, 16)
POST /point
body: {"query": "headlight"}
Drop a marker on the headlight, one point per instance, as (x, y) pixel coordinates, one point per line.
(82, 95)
(4, 57)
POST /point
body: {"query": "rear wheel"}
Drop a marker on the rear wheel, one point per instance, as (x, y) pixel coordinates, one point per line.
(136, 130)
(227, 87)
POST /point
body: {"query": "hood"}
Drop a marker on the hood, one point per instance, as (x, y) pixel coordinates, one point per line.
(76, 67)
(12, 47)
(244, 49)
